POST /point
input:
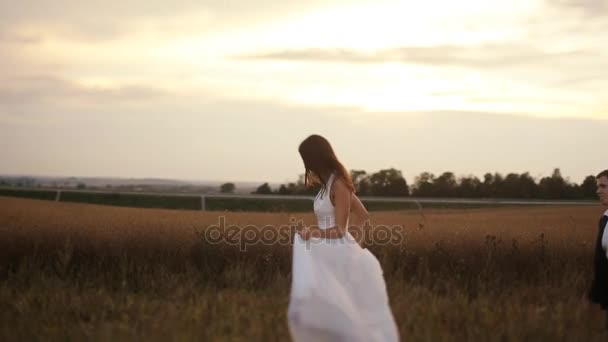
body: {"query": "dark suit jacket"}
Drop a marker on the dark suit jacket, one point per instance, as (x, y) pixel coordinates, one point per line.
(599, 287)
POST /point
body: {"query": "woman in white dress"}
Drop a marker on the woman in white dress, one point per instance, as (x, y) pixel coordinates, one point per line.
(338, 291)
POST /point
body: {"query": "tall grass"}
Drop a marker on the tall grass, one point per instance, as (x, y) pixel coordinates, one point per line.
(86, 272)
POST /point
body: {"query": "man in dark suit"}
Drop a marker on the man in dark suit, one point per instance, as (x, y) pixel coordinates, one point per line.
(599, 288)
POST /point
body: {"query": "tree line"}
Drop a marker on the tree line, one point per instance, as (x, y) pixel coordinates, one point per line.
(390, 182)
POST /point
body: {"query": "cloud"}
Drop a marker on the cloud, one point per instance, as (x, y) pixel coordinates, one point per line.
(27, 90)
(99, 20)
(481, 56)
(19, 38)
(545, 65)
(510, 60)
(590, 8)
(555, 45)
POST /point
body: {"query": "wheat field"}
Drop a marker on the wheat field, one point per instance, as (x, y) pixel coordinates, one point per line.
(76, 272)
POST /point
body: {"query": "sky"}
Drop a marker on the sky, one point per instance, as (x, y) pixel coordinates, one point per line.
(226, 90)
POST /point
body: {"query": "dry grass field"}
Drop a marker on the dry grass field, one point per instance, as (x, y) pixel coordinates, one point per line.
(75, 272)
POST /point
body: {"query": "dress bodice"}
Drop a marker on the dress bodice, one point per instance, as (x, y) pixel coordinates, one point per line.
(324, 209)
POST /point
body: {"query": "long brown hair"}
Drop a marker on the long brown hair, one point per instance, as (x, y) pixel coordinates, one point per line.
(319, 158)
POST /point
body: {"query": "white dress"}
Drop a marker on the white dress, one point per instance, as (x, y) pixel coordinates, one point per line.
(338, 291)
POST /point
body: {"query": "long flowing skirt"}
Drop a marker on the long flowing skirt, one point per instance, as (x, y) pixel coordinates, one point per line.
(338, 293)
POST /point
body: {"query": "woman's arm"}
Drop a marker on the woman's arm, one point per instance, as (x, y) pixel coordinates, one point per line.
(359, 212)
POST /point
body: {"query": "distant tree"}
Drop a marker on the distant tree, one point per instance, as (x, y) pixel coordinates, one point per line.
(297, 188)
(292, 188)
(573, 191)
(517, 186)
(528, 186)
(491, 185)
(283, 190)
(509, 187)
(446, 185)
(365, 187)
(469, 187)
(302, 189)
(263, 189)
(389, 182)
(424, 185)
(588, 188)
(81, 186)
(357, 175)
(361, 182)
(227, 188)
(554, 187)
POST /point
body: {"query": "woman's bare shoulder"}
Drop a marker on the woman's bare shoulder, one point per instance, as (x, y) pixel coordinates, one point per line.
(338, 186)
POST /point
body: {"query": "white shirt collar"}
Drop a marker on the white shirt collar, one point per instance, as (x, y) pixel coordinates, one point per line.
(606, 213)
